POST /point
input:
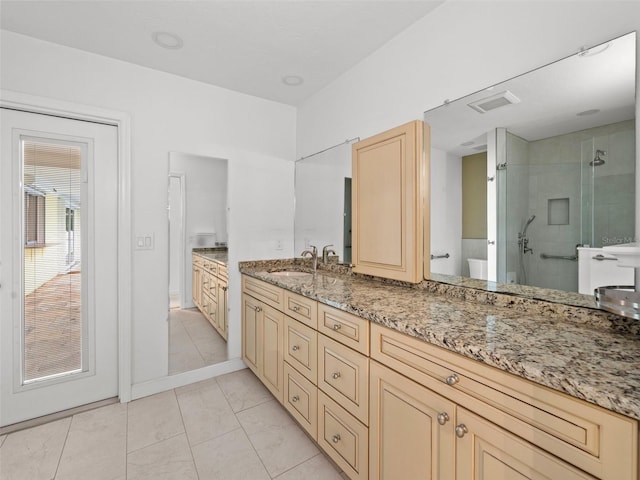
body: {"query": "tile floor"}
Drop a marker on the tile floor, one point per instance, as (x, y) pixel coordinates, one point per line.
(227, 428)
(193, 342)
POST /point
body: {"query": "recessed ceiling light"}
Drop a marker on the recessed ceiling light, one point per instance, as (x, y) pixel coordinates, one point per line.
(588, 112)
(292, 80)
(167, 40)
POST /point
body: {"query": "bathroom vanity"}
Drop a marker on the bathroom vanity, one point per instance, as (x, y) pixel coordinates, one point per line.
(395, 380)
(210, 286)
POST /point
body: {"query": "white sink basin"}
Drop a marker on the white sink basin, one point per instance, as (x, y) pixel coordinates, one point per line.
(291, 274)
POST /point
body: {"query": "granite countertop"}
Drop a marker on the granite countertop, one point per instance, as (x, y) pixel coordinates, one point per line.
(220, 255)
(584, 359)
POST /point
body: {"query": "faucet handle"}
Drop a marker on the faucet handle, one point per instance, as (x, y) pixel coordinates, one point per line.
(315, 249)
(324, 249)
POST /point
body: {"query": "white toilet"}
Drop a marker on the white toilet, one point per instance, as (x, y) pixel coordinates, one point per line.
(477, 268)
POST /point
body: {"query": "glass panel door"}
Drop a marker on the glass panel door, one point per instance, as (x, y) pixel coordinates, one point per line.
(53, 327)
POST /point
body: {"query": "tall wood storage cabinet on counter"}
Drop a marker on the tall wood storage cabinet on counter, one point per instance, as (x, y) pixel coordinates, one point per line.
(389, 192)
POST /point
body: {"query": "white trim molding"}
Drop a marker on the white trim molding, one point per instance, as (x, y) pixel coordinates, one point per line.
(49, 106)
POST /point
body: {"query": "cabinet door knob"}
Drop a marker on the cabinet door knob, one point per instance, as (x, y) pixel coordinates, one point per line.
(335, 438)
(257, 308)
(443, 418)
(337, 326)
(295, 308)
(295, 348)
(295, 398)
(461, 430)
(452, 379)
(335, 375)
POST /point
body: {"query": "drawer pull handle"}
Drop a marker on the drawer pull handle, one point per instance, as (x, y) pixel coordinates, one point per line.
(337, 326)
(443, 418)
(335, 438)
(335, 375)
(257, 308)
(295, 398)
(295, 348)
(452, 380)
(295, 308)
(461, 430)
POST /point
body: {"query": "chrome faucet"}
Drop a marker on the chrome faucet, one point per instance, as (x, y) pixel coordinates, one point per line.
(314, 256)
(326, 251)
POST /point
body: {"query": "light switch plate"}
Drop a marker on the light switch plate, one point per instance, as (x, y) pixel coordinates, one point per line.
(144, 241)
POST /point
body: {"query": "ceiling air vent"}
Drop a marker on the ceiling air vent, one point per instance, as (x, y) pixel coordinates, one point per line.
(498, 100)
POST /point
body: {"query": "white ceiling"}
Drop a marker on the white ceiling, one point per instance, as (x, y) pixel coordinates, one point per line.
(246, 46)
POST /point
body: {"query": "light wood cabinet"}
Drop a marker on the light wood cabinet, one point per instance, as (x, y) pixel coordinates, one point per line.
(251, 335)
(485, 451)
(196, 284)
(343, 438)
(401, 408)
(262, 337)
(301, 348)
(411, 430)
(209, 287)
(343, 374)
(301, 399)
(222, 308)
(388, 203)
(271, 361)
(572, 433)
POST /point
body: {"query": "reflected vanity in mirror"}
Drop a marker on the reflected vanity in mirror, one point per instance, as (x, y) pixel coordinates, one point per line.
(532, 177)
(323, 201)
(198, 280)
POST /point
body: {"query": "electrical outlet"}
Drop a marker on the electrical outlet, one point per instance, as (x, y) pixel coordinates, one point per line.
(279, 245)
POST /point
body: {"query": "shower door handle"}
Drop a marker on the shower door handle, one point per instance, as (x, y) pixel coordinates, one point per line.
(600, 258)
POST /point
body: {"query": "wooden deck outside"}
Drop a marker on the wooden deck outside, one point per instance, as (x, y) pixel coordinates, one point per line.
(53, 327)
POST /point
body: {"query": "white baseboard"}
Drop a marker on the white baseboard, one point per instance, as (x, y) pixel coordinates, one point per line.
(163, 384)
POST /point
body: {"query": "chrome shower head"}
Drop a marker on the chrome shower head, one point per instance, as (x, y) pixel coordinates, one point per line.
(524, 229)
(597, 161)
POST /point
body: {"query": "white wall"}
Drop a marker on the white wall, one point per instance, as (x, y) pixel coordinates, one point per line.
(169, 113)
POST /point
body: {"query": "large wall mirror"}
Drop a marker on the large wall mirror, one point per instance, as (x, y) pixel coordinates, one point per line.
(197, 212)
(530, 178)
(533, 176)
(323, 201)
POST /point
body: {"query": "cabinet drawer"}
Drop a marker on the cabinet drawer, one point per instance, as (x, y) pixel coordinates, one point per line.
(211, 267)
(343, 374)
(596, 440)
(343, 437)
(269, 294)
(210, 285)
(301, 347)
(197, 260)
(301, 308)
(301, 400)
(345, 328)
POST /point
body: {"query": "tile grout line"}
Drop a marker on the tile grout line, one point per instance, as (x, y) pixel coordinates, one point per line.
(64, 445)
(186, 434)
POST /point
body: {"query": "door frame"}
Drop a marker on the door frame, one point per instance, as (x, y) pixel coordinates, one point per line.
(121, 120)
